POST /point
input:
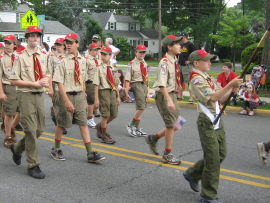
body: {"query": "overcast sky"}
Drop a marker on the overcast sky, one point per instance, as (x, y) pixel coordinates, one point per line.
(232, 3)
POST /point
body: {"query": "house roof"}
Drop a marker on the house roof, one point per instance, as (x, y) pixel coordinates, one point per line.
(127, 19)
(101, 18)
(120, 33)
(150, 33)
(22, 8)
(51, 27)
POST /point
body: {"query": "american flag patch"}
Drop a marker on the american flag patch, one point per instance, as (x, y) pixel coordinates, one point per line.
(163, 66)
(196, 81)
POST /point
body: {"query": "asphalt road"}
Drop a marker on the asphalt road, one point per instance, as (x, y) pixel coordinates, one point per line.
(130, 173)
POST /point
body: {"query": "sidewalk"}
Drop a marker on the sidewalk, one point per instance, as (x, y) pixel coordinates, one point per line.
(229, 109)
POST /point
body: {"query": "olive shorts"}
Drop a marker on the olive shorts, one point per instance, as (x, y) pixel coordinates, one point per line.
(107, 103)
(90, 92)
(169, 117)
(140, 89)
(11, 105)
(185, 73)
(64, 118)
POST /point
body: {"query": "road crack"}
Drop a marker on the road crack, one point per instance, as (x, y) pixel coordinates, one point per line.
(190, 152)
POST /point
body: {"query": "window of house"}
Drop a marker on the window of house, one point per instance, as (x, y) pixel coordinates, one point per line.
(145, 43)
(48, 39)
(19, 16)
(111, 26)
(153, 43)
(131, 26)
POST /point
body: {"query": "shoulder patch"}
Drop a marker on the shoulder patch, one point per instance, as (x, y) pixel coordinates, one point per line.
(196, 81)
(1, 56)
(163, 66)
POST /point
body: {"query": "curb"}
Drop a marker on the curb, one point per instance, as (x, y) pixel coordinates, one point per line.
(229, 109)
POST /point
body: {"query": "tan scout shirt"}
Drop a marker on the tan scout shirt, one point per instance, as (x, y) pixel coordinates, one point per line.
(54, 61)
(91, 67)
(134, 73)
(100, 78)
(65, 73)
(23, 68)
(202, 90)
(166, 73)
(6, 67)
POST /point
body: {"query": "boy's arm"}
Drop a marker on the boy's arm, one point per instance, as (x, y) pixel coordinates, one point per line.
(170, 103)
(68, 104)
(3, 96)
(96, 97)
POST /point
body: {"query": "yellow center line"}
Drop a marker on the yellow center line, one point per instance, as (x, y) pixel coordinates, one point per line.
(157, 162)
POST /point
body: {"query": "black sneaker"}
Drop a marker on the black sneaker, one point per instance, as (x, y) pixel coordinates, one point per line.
(65, 131)
(16, 158)
(3, 126)
(35, 172)
(94, 157)
(193, 184)
(19, 127)
(57, 154)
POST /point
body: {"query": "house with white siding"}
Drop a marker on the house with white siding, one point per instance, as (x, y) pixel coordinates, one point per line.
(126, 26)
(10, 24)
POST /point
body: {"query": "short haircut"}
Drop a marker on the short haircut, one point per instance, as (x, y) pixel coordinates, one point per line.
(173, 43)
(228, 64)
(28, 34)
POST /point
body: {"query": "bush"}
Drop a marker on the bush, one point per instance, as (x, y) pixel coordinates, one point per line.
(225, 60)
(247, 53)
(125, 47)
(148, 57)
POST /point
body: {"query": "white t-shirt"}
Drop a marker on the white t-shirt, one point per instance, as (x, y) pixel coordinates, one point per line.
(114, 50)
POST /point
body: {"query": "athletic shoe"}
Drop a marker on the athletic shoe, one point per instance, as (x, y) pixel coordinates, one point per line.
(57, 154)
(91, 123)
(65, 131)
(107, 139)
(99, 131)
(193, 184)
(94, 157)
(251, 113)
(262, 153)
(170, 159)
(140, 133)
(8, 141)
(16, 158)
(211, 201)
(35, 172)
(19, 127)
(243, 112)
(131, 130)
(96, 114)
(3, 126)
(152, 144)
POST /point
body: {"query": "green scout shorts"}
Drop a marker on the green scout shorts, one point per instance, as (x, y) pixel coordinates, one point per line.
(90, 91)
(64, 118)
(185, 73)
(140, 89)
(11, 105)
(107, 103)
(169, 117)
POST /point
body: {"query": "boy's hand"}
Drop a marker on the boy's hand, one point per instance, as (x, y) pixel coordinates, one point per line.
(51, 92)
(236, 82)
(235, 90)
(3, 97)
(118, 100)
(171, 105)
(96, 104)
(69, 107)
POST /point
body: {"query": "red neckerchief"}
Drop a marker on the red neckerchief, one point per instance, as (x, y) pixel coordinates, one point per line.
(110, 78)
(208, 79)
(77, 71)
(144, 73)
(37, 67)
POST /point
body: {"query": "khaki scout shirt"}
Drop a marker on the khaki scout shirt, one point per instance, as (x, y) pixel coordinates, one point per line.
(134, 73)
(202, 90)
(166, 74)
(6, 66)
(54, 61)
(91, 67)
(65, 73)
(23, 68)
(101, 79)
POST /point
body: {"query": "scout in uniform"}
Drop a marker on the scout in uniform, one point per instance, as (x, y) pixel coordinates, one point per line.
(8, 93)
(2, 48)
(1, 102)
(70, 77)
(54, 61)
(137, 75)
(213, 139)
(30, 75)
(106, 94)
(168, 78)
(90, 87)
(96, 39)
(263, 150)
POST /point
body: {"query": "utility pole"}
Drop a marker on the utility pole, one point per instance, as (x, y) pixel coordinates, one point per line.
(159, 30)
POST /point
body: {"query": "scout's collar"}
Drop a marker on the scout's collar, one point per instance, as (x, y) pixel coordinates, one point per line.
(70, 56)
(198, 72)
(30, 52)
(137, 60)
(170, 58)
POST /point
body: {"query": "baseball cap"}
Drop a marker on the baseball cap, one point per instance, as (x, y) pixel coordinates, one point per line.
(169, 39)
(31, 29)
(73, 37)
(183, 34)
(200, 55)
(10, 38)
(106, 50)
(60, 41)
(96, 37)
(141, 48)
(1, 46)
(93, 46)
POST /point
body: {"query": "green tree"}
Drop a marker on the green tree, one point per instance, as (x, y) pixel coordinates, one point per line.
(5, 4)
(125, 48)
(234, 31)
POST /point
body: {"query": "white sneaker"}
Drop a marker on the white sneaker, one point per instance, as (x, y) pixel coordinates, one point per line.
(262, 153)
(91, 123)
(140, 133)
(131, 130)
